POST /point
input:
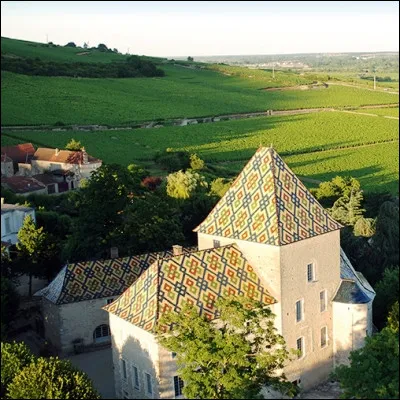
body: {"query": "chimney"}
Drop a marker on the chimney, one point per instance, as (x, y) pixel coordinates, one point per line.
(2, 200)
(177, 249)
(57, 151)
(114, 252)
(85, 159)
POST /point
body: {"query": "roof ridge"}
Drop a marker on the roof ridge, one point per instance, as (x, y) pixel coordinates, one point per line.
(275, 194)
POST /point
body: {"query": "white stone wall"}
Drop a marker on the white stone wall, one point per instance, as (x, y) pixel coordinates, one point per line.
(75, 321)
(352, 323)
(7, 168)
(16, 218)
(324, 252)
(51, 321)
(81, 170)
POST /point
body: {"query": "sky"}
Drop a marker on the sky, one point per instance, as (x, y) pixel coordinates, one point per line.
(205, 28)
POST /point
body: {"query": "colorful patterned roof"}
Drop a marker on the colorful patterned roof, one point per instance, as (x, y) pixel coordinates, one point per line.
(90, 280)
(268, 204)
(198, 278)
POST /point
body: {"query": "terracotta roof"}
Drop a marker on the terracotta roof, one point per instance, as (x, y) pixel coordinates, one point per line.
(21, 153)
(63, 156)
(268, 204)
(198, 278)
(90, 280)
(22, 184)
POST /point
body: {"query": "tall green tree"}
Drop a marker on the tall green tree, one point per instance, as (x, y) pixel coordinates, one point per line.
(9, 305)
(74, 145)
(33, 247)
(228, 358)
(181, 185)
(374, 369)
(347, 208)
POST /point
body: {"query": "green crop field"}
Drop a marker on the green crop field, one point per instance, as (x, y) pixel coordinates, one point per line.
(384, 112)
(297, 138)
(47, 100)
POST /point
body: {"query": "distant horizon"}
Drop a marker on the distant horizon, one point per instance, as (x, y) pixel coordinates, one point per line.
(206, 29)
(232, 55)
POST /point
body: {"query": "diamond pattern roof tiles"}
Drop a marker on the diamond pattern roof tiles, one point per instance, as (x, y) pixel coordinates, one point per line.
(268, 204)
(198, 278)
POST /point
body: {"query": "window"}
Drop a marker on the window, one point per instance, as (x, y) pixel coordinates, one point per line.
(149, 387)
(324, 336)
(322, 300)
(300, 347)
(7, 226)
(299, 310)
(217, 243)
(136, 383)
(109, 301)
(178, 385)
(102, 334)
(51, 188)
(310, 273)
(124, 372)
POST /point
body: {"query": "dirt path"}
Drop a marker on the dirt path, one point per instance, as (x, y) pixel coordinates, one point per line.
(189, 121)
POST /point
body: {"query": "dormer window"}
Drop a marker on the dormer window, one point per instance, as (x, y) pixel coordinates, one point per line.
(216, 243)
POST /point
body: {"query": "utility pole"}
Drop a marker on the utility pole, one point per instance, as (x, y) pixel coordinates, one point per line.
(374, 79)
(127, 51)
(47, 38)
(273, 71)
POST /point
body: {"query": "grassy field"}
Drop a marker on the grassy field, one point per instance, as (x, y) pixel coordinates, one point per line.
(384, 112)
(22, 48)
(182, 93)
(230, 144)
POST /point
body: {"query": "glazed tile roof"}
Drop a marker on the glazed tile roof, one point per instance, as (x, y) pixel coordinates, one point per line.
(198, 278)
(354, 288)
(90, 280)
(268, 204)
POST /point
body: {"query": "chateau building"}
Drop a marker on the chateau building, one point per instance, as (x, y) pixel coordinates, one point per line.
(268, 238)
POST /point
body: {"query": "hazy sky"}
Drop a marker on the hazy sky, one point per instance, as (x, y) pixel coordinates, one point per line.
(208, 28)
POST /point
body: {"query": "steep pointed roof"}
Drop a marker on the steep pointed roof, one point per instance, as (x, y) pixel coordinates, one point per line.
(268, 204)
(198, 278)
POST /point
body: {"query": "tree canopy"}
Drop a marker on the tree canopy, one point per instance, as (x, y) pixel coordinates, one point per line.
(228, 358)
(74, 145)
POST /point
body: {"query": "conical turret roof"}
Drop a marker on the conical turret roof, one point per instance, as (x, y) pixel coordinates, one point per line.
(268, 204)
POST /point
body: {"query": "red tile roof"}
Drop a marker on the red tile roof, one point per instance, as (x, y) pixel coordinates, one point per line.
(22, 184)
(21, 153)
(62, 156)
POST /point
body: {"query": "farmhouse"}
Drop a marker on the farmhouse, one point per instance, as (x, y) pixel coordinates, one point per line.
(268, 237)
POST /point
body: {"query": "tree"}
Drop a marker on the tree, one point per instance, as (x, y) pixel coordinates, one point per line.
(74, 145)
(181, 185)
(70, 44)
(228, 358)
(386, 239)
(347, 209)
(51, 378)
(219, 187)
(190, 59)
(102, 47)
(328, 192)
(387, 292)
(32, 245)
(196, 162)
(393, 318)
(374, 369)
(9, 304)
(14, 357)
(365, 227)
